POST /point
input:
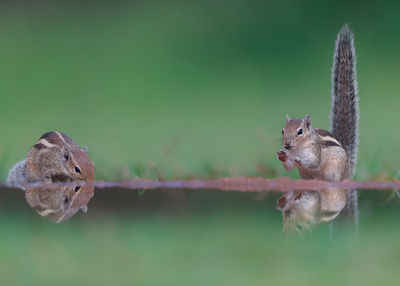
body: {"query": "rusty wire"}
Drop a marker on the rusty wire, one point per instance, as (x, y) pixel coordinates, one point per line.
(246, 184)
(241, 184)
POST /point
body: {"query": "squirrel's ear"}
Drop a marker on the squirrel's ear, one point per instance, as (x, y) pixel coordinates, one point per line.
(308, 121)
(84, 149)
(287, 118)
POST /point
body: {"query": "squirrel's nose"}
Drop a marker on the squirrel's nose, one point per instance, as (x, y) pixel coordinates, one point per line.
(287, 147)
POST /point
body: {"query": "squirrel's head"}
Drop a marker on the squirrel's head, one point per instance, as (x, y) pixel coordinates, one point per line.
(299, 210)
(296, 131)
(56, 158)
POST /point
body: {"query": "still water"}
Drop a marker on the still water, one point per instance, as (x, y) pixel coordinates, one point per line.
(79, 235)
(301, 211)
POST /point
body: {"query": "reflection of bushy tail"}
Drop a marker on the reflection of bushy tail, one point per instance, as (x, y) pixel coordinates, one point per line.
(349, 215)
(17, 175)
(344, 108)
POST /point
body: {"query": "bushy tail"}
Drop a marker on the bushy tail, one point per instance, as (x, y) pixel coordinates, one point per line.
(17, 175)
(344, 108)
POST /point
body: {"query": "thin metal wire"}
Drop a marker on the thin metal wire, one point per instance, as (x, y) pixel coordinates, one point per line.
(242, 184)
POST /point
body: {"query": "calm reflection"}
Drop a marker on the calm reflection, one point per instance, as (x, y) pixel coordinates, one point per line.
(301, 210)
(59, 202)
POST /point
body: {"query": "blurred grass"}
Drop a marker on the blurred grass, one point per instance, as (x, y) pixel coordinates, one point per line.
(183, 89)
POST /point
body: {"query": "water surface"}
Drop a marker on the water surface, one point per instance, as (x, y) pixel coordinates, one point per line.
(188, 237)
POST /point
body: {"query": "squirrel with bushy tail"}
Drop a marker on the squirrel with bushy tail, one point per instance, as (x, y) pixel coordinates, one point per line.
(328, 155)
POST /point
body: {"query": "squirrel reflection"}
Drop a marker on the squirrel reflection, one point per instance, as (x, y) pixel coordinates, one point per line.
(301, 210)
(59, 202)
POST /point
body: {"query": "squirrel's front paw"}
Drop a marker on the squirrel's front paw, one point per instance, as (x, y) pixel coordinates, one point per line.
(282, 156)
(298, 162)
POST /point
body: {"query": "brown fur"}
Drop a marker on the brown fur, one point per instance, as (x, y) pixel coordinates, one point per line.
(58, 159)
(39, 146)
(315, 153)
(323, 132)
(329, 143)
(57, 138)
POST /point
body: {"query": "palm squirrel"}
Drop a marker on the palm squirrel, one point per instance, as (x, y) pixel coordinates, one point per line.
(54, 158)
(319, 154)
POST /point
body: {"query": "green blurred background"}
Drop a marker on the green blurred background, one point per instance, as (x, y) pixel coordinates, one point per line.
(183, 89)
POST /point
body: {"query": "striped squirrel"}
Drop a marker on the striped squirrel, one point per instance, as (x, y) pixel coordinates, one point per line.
(319, 154)
(59, 202)
(54, 158)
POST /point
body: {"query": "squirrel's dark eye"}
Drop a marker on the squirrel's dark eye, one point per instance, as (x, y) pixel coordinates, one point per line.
(77, 188)
(300, 131)
(77, 170)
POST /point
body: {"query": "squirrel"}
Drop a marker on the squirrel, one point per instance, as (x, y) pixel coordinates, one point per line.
(59, 202)
(319, 154)
(54, 158)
